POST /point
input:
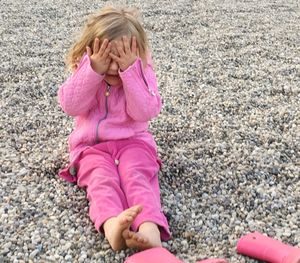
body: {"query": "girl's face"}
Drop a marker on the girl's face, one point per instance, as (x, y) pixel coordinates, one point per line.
(112, 75)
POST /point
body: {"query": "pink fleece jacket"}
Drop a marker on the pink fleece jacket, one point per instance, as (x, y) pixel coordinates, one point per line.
(103, 112)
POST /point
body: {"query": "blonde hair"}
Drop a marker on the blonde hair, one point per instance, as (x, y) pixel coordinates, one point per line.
(110, 23)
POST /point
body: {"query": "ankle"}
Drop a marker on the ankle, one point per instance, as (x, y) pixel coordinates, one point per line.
(108, 226)
(151, 231)
(149, 226)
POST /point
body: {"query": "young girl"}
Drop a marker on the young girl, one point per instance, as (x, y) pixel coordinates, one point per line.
(113, 94)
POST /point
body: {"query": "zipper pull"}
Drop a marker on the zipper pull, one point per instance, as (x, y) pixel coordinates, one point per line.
(107, 92)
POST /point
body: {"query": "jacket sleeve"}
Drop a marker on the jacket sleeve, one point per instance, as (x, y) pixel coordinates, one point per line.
(78, 94)
(143, 101)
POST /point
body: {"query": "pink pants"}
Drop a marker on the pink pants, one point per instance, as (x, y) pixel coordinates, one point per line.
(120, 174)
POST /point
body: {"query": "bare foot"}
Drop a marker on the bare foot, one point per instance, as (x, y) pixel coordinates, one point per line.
(135, 240)
(148, 236)
(115, 226)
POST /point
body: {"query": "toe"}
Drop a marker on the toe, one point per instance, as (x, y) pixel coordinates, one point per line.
(137, 208)
(137, 238)
(124, 221)
(144, 240)
(132, 214)
(129, 218)
(131, 234)
(140, 239)
(126, 234)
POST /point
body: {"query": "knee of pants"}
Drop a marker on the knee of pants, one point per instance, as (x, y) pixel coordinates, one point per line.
(131, 173)
(103, 180)
(88, 172)
(137, 165)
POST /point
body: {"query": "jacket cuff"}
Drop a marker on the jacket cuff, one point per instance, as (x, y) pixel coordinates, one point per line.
(136, 72)
(86, 63)
(135, 68)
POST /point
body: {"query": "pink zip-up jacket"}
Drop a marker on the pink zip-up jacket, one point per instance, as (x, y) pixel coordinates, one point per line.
(103, 113)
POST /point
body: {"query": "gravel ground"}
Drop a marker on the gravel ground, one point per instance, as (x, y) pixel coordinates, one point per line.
(229, 73)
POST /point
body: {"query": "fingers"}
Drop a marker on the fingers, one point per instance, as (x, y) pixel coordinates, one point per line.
(103, 50)
(89, 51)
(115, 54)
(123, 51)
(106, 52)
(126, 44)
(96, 45)
(115, 57)
(134, 46)
(105, 47)
(120, 47)
(108, 59)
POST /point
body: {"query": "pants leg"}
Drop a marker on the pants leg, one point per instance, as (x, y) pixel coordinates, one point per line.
(138, 169)
(99, 175)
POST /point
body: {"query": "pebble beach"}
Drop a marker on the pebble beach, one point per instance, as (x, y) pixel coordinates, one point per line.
(228, 133)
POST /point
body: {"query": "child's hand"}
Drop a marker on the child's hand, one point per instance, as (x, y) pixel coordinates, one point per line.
(127, 54)
(100, 58)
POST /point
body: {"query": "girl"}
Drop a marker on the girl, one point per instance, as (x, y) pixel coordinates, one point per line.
(113, 94)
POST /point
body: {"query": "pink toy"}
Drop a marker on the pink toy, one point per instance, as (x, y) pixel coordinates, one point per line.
(265, 248)
(152, 255)
(158, 254)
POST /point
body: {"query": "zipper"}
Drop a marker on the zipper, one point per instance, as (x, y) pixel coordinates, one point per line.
(107, 93)
(146, 83)
(143, 76)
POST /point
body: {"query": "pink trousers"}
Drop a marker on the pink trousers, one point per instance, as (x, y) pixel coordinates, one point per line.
(120, 174)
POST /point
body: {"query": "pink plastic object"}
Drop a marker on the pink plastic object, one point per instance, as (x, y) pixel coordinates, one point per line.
(261, 247)
(153, 255)
(162, 255)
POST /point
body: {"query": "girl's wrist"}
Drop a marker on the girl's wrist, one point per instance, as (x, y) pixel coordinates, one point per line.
(94, 68)
(129, 65)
